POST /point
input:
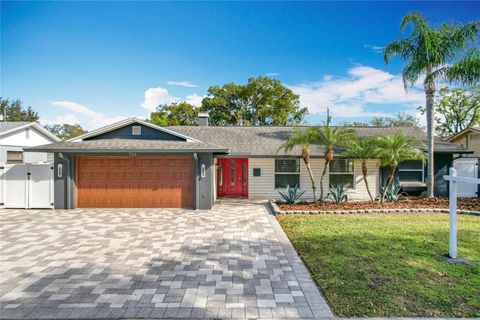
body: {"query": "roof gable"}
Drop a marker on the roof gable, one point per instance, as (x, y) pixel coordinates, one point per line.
(123, 130)
(461, 133)
(10, 127)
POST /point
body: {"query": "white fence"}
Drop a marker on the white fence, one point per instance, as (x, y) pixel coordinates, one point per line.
(466, 167)
(27, 186)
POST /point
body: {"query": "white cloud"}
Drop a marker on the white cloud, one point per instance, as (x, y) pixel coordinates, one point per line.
(182, 84)
(153, 97)
(350, 95)
(272, 74)
(374, 48)
(76, 107)
(67, 119)
(89, 119)
(194, 99)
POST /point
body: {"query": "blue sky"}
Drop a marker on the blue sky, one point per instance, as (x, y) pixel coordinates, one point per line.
(97, 62)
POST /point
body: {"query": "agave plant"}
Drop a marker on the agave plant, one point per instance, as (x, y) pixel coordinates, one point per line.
(393, 193)
(338, 194)
(291, 195)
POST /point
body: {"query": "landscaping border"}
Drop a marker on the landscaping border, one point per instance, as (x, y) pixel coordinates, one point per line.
(276, 211)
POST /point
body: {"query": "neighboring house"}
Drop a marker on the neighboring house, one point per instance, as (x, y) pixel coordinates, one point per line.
(133, 163)
(469, 139)
(14, 136)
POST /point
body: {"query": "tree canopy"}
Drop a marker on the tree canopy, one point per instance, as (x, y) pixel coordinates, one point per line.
(66, 131)
(401, 119)
(456, 110)
(262, 101)
(14, 110)
(175, 114)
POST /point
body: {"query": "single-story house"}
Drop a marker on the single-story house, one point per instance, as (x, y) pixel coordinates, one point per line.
(14, 136)
(133, 163)
(469, 139)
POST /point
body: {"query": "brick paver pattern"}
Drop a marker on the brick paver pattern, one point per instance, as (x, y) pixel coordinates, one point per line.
(233, 261)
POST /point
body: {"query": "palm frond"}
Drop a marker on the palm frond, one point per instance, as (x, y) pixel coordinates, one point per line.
(403, 48)
(465, 71)
(300, 137)
(459, 37)
(412, 72)
(415, 18)
(399, 147)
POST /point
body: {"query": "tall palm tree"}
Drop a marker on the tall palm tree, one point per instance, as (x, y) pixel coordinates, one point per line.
(331, 137)
(445, 52)
(363, 149)
(303, 138)
(394, 149)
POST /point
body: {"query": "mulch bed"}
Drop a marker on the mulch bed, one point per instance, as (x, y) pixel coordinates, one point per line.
(471, 204)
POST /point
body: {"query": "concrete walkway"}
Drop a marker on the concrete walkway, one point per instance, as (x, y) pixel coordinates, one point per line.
(230, 262)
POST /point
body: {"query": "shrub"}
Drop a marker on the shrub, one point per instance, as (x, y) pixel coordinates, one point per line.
(393, 194)
(291, 195)
(338, 194)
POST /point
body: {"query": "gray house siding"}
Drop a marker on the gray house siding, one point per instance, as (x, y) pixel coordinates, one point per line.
(205, 194)
(64, 185)
(441, 164)
(147, 133)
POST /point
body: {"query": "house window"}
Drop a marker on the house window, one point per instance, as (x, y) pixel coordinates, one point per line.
(409, 171)
(14, 157)
(287, 173)
(341, 173)
(136, 130)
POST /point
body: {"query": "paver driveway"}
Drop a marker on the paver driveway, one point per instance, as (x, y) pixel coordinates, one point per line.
(230, 262)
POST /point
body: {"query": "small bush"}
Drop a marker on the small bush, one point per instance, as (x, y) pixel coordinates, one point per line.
(394, 194)
(338, 194)
(291, 195)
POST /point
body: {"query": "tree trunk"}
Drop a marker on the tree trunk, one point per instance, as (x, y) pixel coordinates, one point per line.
(391, 174)
(364, 173)
(306, 160)
(321, 178)
(429, 94)
(312, 179)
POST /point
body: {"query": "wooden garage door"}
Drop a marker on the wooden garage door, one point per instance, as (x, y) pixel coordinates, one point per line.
(134, 182)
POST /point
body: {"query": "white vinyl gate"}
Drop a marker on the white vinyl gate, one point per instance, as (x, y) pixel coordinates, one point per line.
(466, 167)
(27, 186)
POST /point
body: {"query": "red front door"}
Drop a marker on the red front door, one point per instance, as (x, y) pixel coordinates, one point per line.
(232, 177)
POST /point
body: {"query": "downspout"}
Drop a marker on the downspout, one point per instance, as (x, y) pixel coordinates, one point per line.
(196, 187)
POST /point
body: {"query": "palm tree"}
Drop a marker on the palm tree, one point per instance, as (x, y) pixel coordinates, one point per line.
(445, 52)
(363, 149)
(331, 137)
(394, 149)
(302, 138)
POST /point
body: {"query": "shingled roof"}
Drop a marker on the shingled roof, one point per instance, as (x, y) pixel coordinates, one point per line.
(129, 145)
(7, 125)
(266, 140)
(246, 141)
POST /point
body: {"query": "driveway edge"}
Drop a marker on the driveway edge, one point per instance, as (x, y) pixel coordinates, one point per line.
(316, 301)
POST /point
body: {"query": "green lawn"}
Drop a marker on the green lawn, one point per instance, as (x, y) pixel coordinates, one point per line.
(390, 265)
